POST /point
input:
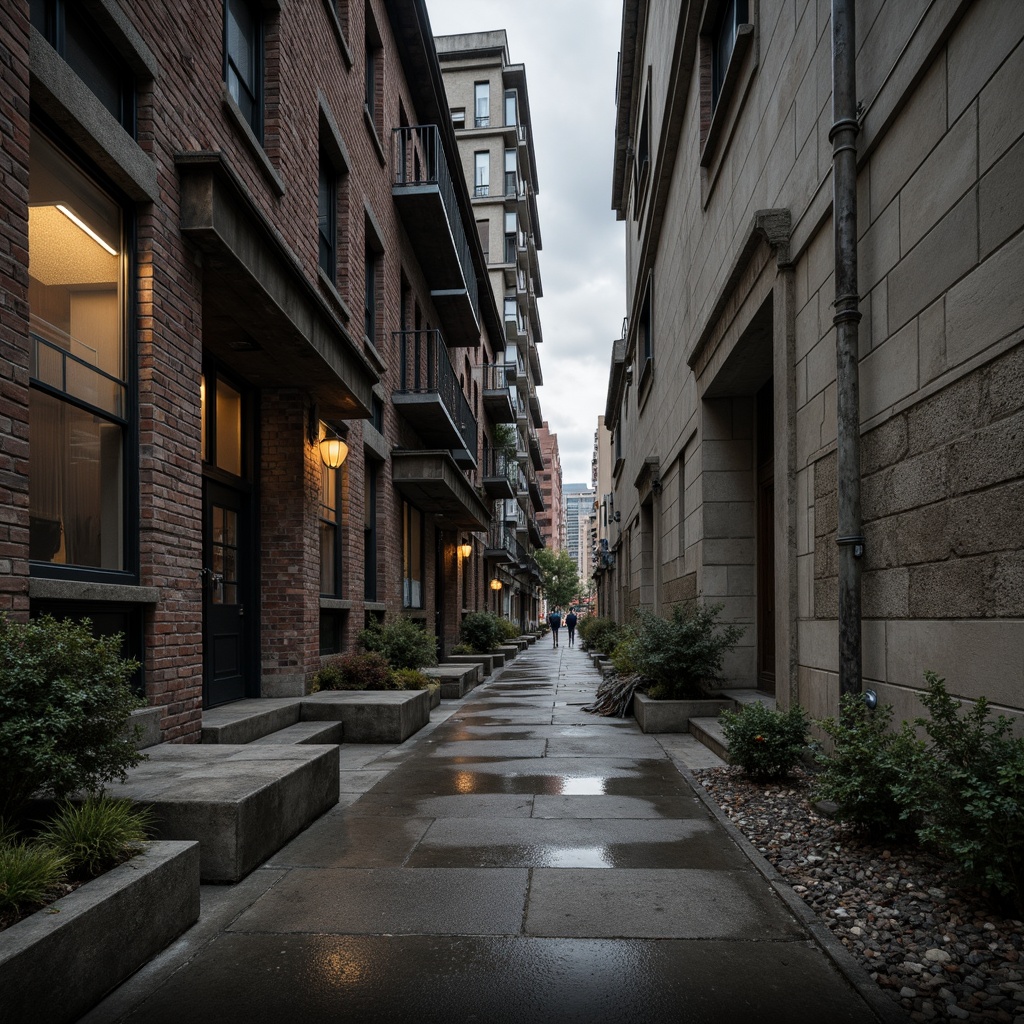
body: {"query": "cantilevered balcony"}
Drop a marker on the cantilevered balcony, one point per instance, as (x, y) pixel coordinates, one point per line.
(498, 392)
(500, 474)
(426, 200)
(429, 397)
(500, 543)
(534, 441)
(535, 535)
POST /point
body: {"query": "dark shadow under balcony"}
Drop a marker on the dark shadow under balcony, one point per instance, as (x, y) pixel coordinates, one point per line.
(426, 200)
(429, 397)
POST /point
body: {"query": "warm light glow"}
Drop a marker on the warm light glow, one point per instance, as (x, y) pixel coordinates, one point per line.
(465, 550)
(333, 451)
(75, 219)
(495, 584)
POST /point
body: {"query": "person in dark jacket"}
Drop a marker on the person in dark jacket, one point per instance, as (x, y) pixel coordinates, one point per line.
(570, 625)
(555, 622)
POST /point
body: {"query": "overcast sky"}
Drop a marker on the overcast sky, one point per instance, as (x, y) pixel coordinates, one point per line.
(569, 48)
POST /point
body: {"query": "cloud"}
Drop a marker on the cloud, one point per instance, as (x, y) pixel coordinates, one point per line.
(569, 48)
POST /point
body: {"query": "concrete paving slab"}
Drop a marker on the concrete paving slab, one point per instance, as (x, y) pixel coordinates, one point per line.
(394, 901)
(678, 806)
(360, 781)
(576, 843)
(339, 840)
(463, 805)
(439, 979)
(489, 748)
(690, 903)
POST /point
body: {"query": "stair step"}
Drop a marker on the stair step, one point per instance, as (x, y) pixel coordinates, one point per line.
(742, 697)
(710, 732)
(305, 732)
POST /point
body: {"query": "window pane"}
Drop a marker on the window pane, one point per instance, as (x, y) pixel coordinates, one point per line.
(482, 104)
(325, 216)
(328, 577)
(75, 486)
(93, 63)
(243, 61)
(229, 429)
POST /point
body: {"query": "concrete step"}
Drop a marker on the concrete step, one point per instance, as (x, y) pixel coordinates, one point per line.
(456, 680)
(709, 731)
(248, 720)
(306, 732)
(743, 697)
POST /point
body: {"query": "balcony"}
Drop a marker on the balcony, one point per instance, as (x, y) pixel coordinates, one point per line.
(500, 545)
(426, 200)
(536, 497)
(498, 392)
(500, 474)
(535, 410)
(534, 442)
(433, 482)
(535, 535)
(428, 395)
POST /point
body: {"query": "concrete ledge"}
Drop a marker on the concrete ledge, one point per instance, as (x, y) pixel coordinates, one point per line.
(529, 638)
(97, 936)
(711, 734)
(306, 732)
(248, 720)
(456, 680)
(498, 658)
(148, 722)
(485, 661)
(435, 697)
(661, 716)
(242, 803)
(371, 716)
(509, 650)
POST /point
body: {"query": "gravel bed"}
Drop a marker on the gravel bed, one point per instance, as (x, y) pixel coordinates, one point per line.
(931, 942)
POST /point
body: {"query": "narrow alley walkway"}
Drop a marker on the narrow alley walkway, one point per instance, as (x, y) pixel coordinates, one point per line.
(516, 861)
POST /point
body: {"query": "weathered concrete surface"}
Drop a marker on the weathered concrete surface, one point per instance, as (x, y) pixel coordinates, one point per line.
(516, 862)
(485, 661)
(655, 716)
(59, 962)
(377, 716)
(456, 680)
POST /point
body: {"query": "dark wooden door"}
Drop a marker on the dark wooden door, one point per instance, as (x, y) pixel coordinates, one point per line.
(227, 578)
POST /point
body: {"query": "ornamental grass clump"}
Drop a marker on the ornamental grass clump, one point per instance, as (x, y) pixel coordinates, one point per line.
(97, 834)
(764, 742)
(404, 643)
(410, 679)
(65, 700)
(30, 874)
(872, 772)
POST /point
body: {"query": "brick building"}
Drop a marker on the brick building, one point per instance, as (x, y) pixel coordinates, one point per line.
(723, 395)
(192, 303)
(552, 519)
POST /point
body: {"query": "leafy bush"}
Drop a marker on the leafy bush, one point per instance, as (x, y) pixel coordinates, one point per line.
(973, 792)
(463, 649)
(510, 630)
(369, 671)
(623, 654)
(679, 654)
(29, 875)
(764, 742)
(598, 633)
(410, 679)
(871, 774)
(402, 642)
(64, 701)
(97, 834)
(482, 631)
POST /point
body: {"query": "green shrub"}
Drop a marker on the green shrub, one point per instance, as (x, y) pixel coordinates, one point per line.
(973, 792)
(510, 630)
(482, 631)
(29, 875)
(463, 649)
(64, 701)
(410, 679)
(678, 655)
(623, 654)
(598, 633)
(871, 774)
(97, 834)
(369, 671)
(764, 742)
(404, 643)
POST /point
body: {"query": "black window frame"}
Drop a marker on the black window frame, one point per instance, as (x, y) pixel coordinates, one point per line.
(255, 117)
(370, 581)
(723, 43)
(327, 218)
(50, 17)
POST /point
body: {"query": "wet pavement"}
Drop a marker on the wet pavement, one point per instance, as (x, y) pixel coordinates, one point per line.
(516, 861)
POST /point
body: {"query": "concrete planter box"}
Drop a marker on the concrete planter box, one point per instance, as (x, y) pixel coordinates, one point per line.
(485, 661)
(673, 715)
(456, 680)
(60, 962)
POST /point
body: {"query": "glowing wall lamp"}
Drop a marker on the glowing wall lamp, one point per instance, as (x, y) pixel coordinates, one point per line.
(333, 451)
(465, 549)
(495, 584)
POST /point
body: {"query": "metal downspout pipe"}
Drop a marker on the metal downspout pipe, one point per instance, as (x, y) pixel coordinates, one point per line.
(843, 136)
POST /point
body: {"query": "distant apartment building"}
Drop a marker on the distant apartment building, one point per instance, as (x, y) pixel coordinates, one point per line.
(237, 247)
(552, 523)
(722, 402)
(578, 500)
(489, 108)
(603, 557)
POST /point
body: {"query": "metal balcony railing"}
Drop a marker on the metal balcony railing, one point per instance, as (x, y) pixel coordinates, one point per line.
(500, 538)
(497, 463)
(496, 376)
(511, 184)
(481, 190)
(424, 368)
(420, 160)
(510, 248)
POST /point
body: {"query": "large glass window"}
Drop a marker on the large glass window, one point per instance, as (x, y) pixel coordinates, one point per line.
(67, 28)
(412, 556)
(370, 533)
(510, 107)
(78, 407)
(481, 173)
(482, 105)
(327, 218)
(243, 60)
(734, 14)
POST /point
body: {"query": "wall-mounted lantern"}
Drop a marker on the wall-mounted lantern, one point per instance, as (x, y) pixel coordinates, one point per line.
(333, 451)
(465, 549)
(495, 584)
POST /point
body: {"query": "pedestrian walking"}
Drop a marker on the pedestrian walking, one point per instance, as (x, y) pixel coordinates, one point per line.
(555, 622)
(570, 625)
